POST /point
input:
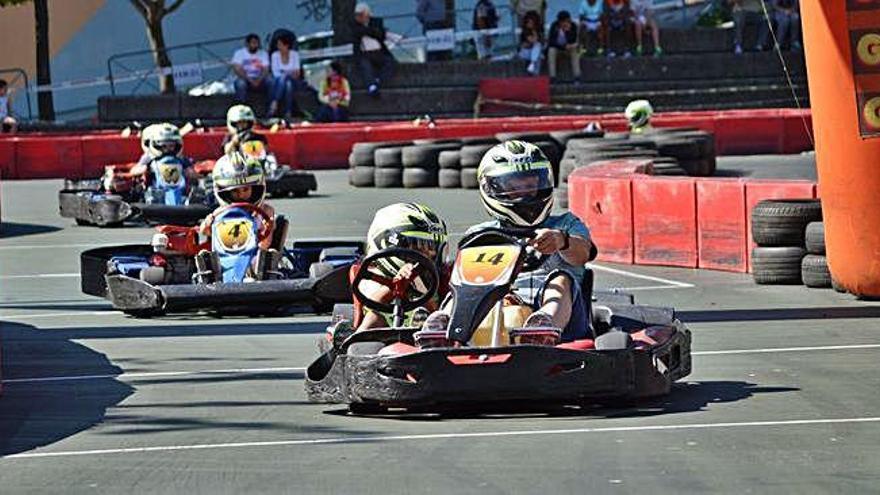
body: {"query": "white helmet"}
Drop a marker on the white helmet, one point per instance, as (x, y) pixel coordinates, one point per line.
(237, 171)
(162, 140)
(147, 136)
(638, 114)
(516, 183)
(237, 114)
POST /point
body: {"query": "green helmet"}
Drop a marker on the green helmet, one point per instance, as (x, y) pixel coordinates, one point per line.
(516, 183)
(638, 114)
(236, 171)
(237, 114)
(406, 225)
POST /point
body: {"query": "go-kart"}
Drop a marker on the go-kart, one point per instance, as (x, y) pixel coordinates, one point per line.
(119, 196)
(281, 180)
(636, 351)
(229, 274)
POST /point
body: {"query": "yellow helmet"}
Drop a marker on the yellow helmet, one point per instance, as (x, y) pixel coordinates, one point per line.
(406, 225)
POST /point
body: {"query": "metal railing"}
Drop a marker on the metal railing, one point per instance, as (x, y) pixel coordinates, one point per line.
(18, 84)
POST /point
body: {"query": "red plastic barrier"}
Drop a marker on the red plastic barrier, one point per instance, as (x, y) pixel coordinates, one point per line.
(664, 221)
(749, 132)
(756, 190)
(49, 157)
(721, 224)
(7, 158)
(798, 129)
(283, 146)
(317, 149)
(104, 150)
(605, 205)
(203, 145)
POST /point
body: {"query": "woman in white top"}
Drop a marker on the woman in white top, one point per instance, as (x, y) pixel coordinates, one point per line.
(287, 71)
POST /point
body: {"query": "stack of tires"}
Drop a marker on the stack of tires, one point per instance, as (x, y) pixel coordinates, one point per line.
(674, 151)
(791, 243)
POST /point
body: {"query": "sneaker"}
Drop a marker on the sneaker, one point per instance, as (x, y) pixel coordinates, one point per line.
(738, 49)
(600, 52)
(627, 54)
(539, 319)
(533, 69)
(436, 322)
(639, 50)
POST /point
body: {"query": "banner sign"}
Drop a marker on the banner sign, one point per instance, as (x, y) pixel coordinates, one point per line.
(863, 17)
(440, 39)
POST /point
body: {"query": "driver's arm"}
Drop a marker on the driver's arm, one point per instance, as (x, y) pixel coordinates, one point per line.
(578, 252)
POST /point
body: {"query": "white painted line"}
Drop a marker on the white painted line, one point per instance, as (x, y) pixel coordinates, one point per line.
(450, 436)
(39, 275)
(649, 287)
(642, 277)
(46, 246)
(59, 315)
(154, 374)
(773, 350)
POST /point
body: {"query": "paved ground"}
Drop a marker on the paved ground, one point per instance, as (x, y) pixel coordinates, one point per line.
(783, 398)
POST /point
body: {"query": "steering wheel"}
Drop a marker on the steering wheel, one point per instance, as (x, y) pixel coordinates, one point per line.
(507, 235)
(265, 229)
(424, 269)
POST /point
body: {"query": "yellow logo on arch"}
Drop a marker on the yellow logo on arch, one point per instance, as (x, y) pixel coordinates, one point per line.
(868, 49)
(170, 173)
(235, 235)
(254, 149)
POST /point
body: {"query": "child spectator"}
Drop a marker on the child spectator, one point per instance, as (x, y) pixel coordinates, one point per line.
(335, 95)
(485, 17)
(370, 50)
(744, 12)
(8, 124)
(531, 42)
(643, 13)
(287, 73)
(786, 14)
(251, 65)
(618, 18)
(563, 38)
(590, 17)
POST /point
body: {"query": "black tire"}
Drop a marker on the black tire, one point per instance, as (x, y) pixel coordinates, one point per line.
(472, 154)
(425, 156)
(552, 152)
(814, 237)
(563, 137)
(680, 148)
(782, 222)
(82, 222)
(777, 265)
(529, 137)
(388, 157)
(669, 170)
(388, 177)
(367, 408)
(814, 272)
(370, 147)
(469, 178)
(704, 167)
(361, 159)
(361, 176)
(419, 177)
(449, 178)
(465, 141)
(422, 142)
(449, 159)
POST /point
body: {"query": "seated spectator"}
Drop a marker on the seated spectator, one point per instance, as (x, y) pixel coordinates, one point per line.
(563, 38)
(643, 14)
(590, 20)
(745, 12)
(531, 42)
(335, 95)
(432, 15)
(787, 17)
(287, 73)
(522, 7)
(251, 65)
(485, 17)
(370, 51)
(618, 18)
(8, 124)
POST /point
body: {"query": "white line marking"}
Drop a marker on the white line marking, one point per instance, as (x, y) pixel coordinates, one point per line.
(642, 277)
(153, 374)
(46, 246)
(445, 436)
(40, 275)
(772, 350)
(649, 287)
(59, 315)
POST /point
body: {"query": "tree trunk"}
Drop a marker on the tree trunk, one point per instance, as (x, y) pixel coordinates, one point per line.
(44, 75)
(160, 56)
(451, 14)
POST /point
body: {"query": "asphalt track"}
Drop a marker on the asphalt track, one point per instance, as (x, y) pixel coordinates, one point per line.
(783, 398)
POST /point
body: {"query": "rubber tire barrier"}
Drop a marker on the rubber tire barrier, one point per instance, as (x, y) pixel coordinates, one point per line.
(814, 271)
(425, 156)
(361, 159)
(414, 177)
(669, 170)
(563, 137)
(449, 159)
(388, 177)
(777, 265)
(362, 176)
(472, 154)
(388, 157)
(465, 141)
(469, 178)
(529, 137)
(782, 222)
(814, 238)
(449, 178)
(704, 167)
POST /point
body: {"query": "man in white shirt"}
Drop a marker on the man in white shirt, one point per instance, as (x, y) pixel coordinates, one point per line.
(370, 50)
(251, 65)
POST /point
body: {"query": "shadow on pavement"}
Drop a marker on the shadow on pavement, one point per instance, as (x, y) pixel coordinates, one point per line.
(699, 316)
(162, 328)
(685, 397)
(13, 229)
(35, 414)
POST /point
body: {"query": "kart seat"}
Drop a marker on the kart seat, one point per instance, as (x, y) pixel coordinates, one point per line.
(397, 349)
(578, 345)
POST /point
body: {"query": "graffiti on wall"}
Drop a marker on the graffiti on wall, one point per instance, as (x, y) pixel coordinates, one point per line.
(315, 10)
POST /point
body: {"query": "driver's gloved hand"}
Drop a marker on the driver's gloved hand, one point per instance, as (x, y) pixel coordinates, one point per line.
(419, 315)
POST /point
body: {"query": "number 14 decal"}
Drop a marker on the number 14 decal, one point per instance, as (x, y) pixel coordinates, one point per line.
(495, 260)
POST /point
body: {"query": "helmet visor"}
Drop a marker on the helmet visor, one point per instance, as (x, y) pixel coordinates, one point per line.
(252, 194)
(517, 187)
(243, 125)
(167, 148)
